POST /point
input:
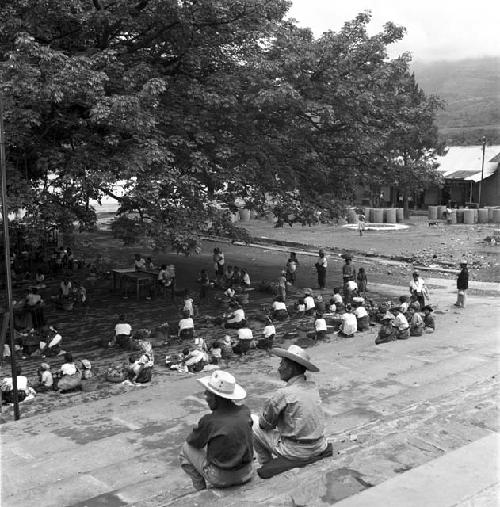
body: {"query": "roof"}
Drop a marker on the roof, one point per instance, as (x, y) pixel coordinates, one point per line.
(464, 162)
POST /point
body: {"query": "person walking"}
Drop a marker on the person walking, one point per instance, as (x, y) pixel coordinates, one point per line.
(462, 284)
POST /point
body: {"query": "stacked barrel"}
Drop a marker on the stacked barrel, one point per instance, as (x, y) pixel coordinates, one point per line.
(466, 215)
(384, 215)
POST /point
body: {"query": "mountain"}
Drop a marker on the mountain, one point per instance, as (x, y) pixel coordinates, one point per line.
(471, 91)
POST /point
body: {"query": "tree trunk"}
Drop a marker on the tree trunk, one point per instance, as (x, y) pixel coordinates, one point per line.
(406, 207)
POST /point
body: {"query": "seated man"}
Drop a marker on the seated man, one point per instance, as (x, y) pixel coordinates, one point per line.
(363, 319)
(401, 324)
(349, 324)
(280, 311)
(219, 450)
(237, 318)
(416, 322)
(291, 423)
(245, 338)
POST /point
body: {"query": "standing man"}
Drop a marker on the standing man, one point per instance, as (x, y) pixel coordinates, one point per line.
(417, 286)
(321, 265)
(291, 423)
(218, 258)
(219, 450)
(462, 284)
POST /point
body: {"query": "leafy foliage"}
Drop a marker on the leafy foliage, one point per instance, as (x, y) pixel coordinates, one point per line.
(193, 104)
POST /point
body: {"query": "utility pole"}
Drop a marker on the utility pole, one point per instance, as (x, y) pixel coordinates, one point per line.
(482, 172)
(5, 220)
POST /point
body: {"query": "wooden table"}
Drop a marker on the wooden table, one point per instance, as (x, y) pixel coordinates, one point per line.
(130, 275)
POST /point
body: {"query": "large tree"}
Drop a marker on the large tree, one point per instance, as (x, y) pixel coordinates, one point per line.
(192, 104)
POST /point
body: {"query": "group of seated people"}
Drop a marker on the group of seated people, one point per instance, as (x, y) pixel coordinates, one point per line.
(401, 322)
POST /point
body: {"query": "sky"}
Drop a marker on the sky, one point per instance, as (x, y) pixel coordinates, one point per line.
(436, 29)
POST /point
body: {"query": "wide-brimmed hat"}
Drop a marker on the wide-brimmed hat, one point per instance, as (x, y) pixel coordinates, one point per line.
(308, 292)
(388, 316)
(223, 384)
(45, 366)
(296, 354)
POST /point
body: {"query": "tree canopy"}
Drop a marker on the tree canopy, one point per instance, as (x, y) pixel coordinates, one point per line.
(193, 103)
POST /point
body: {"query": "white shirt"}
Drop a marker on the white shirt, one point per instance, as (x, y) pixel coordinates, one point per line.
(400, 322)
(123, 328)
(360, 312)
(417, 285)
(337, 298)
(301, 307)
(320, 325)
(245, 333)
(188, 305)
(349, 323)
(291, 266)
(33, 299)
(246, 279)
(404, 307)
(322, 261)
(22, 383)
(309, 302)
(140, 264)
(47, 380)
(186, 324)
(68, 369)
(279, 305)
(238, 315)
(65, 288)
(332, 308)
(269, 331)
(230, 292)
(351, 285)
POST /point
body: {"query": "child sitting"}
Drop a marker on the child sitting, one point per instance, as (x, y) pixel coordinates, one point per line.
(332, 307)
(188, 304)
(215, 353)
(245, 338)
(46, 380)
(269, 333)
(227, 348)
(387, 333)
(429, 324)
(320, 304)
(403, 304)
(401, 324)
(349, 324)
(416, 322)
(301, 307)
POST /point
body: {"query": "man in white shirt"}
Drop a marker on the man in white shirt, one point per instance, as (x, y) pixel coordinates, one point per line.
(310, 304)
(245, 337)
(401, 324)
(237, 318)
(123, 331)
(321, 265)
(417, 287)
(320, 327)
(349, 324)
(363, 319)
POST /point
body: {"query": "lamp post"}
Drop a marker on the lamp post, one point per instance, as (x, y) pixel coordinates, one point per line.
(482, 172)
(5, 220)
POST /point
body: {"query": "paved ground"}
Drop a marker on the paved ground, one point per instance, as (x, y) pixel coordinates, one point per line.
(392, 410)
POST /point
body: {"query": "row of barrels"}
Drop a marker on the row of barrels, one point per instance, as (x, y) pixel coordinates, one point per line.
(381, 215)
(466, 215)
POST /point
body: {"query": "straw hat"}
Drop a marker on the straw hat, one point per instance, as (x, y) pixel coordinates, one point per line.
(308, 292)
(296, 354)
(223, 384)
(45, 366)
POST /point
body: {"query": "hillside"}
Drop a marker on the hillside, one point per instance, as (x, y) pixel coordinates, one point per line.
(471, 90)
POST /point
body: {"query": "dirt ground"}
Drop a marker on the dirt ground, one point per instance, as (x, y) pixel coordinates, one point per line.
(442, 246)
(82, 330)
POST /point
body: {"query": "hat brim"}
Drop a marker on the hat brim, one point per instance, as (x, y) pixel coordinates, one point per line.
(238, 394)
(296, 359)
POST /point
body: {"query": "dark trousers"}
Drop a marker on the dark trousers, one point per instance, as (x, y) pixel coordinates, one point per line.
(321, 276)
